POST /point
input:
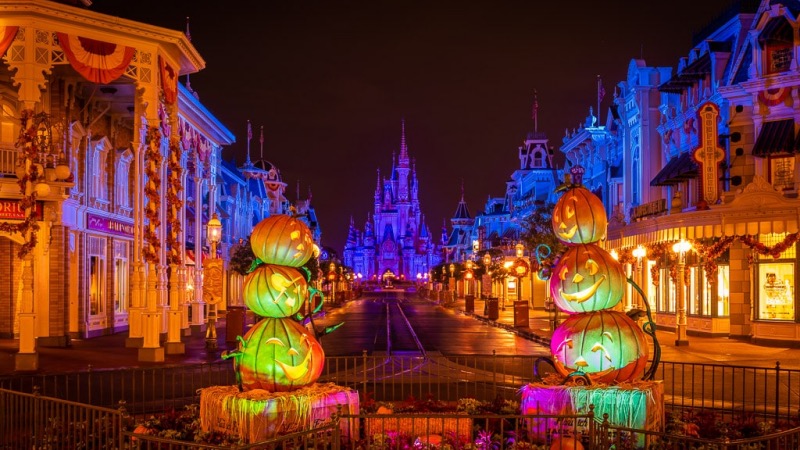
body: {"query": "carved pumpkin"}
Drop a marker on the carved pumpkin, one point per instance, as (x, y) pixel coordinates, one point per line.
(275, 291)
(279, 355)
(579, 217)
(608, 346)
(587, 279)
(282, 240)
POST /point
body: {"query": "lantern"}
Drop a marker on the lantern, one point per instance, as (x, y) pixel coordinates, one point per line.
(282, 240)
(275, 291)
(607, 346)
(579, 217)
(587, 279)
(279, 355)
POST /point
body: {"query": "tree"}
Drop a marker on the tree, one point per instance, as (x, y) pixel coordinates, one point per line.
(538, 229)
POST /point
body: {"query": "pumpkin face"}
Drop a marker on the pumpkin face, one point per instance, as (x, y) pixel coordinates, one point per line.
(275, 291)
(587, 279)
(608, 346)
(579, 217)
(279, 355)
(282, 240)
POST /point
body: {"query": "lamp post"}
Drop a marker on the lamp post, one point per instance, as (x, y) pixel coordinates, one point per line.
(451, 282)
(468, 276)
(680, 248)
(332, 280)
(487, 262)
(639, 253)
(212, 280)
(519, 249)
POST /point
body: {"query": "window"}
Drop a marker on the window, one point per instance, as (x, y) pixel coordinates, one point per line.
(774, 282)
(8, 126)
(781, 172)
(97, 275)
(776, 40)
(723, 291)
(121, 181)
(98, 165)
(121, 277)
(635, 177)
(538, 159)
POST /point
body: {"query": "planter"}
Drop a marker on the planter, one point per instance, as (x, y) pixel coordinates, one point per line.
(425, 424)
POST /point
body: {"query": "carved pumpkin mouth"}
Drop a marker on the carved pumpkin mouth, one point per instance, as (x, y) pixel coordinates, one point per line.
(583, 295)
(295, 372)
(567, 234)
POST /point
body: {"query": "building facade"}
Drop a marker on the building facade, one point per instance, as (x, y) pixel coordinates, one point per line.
(395, 242)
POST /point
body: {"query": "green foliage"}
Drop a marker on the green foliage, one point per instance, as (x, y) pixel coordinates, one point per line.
(242, 257)
(538, 229)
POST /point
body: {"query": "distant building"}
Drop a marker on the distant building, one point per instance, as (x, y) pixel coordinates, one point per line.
(395, 241)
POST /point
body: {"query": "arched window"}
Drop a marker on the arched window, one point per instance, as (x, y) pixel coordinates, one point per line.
(122, 180)
(98, 154)
(538, 159)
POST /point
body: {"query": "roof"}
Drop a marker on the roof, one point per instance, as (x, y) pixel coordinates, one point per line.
(696, 70)
(775, 137)
(461, 211)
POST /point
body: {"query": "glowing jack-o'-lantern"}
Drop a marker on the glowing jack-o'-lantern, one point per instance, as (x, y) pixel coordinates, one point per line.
(579, 217)
(587, 279)
(282, 240)
(279, 355)
(608, 346)
(275, 291)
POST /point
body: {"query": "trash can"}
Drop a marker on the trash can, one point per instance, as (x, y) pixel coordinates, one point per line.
(521, 315)
(469, 303)
(234, 323)
(490, 309)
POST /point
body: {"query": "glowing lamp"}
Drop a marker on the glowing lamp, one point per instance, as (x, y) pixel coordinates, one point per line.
(520, 250)
(214, 230)
(487, 259)
(681, 247)
(639, 252)
(614, 254)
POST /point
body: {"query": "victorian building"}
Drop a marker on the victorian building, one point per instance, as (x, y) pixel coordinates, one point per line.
(110, 170)
(395, 241)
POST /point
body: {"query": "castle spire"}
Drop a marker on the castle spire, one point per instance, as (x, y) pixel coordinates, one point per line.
(261, 139)
(535, 111)
(403, 146)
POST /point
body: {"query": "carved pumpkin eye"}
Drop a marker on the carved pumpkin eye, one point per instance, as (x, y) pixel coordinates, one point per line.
(577, 278)
(563, 273)
(592, 266)
(569, 212)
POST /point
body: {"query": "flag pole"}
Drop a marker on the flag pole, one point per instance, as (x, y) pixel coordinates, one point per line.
(599, 86)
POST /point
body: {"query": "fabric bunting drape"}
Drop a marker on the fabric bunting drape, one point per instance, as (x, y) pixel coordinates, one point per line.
(7, 35)
(169, 81)
(98, 61)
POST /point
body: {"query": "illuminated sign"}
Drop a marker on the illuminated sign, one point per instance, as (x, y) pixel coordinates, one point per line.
(107, 225)
(649, 209)
(709, 155)
(10, 210)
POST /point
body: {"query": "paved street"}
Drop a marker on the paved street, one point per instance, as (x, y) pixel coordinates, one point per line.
(459, 333)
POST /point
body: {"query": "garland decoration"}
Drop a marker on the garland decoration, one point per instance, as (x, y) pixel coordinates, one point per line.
(29, 151)
(152, 159)
(174, 202)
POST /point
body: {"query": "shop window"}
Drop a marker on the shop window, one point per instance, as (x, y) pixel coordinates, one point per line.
(694, 297)
(723, 291)
(775, 282)
(121, 278)
(781, 172)
(97, 276)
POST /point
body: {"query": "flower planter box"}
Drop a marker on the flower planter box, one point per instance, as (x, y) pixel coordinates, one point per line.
(426, 424)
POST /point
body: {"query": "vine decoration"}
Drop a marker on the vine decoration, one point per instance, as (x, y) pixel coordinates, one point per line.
(174, 202)
(153, 161)
(29, 149)
(711, 251)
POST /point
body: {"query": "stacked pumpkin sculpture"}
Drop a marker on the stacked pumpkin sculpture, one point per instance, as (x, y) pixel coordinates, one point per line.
(594, 344)
(278, 354)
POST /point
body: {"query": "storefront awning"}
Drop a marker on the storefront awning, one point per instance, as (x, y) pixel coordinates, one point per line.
(678, 169)
(775, 137)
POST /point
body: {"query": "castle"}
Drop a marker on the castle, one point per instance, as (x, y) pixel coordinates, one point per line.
(395, 242)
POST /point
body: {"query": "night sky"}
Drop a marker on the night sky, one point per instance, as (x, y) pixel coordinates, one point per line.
(330, 81)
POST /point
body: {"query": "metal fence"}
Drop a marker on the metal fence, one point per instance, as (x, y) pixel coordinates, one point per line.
(729, 390)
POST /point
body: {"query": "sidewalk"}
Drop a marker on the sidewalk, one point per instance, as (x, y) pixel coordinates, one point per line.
(709, 350)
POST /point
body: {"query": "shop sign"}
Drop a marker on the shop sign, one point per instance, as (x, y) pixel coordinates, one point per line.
(653, 208)
(10, 210)
(709, 154)
(108, 225)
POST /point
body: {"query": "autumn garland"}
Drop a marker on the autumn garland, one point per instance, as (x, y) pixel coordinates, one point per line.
(174, 202)
(26, 142)
(153, 161)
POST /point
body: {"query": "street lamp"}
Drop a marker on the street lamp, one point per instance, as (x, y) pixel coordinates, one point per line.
(469, 276)
(487, 262)
(332, 279)
(680, 248)
(452, 282)
(212, 280)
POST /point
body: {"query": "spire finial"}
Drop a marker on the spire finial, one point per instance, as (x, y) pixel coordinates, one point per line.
(261, 139)
(297, 190)
(403, 146)
(249, 137)
(535, 111)
(462, 189)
